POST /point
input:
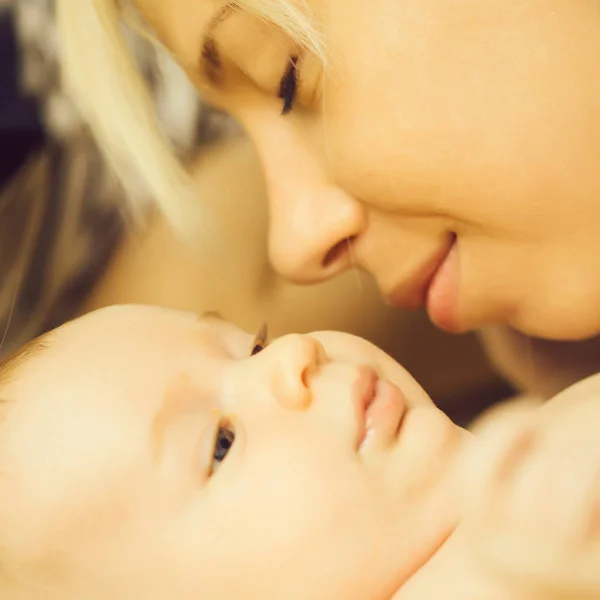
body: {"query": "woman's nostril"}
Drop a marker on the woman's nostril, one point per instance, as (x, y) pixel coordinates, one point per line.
(336, 252)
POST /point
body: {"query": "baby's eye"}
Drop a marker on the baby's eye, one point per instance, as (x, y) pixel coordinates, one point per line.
(260, 341)
(223, 443)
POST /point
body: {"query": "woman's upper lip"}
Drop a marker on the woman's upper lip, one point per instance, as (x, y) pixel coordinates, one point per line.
(411, 292)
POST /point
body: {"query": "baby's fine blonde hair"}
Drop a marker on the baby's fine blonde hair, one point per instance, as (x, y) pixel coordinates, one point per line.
(100, 75)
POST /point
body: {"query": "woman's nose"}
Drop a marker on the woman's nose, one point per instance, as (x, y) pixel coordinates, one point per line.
(289, 363)
(312, 221)
(311, 231)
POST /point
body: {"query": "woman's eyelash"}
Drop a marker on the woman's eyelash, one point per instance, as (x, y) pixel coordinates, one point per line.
(288, 86)
(260, 341)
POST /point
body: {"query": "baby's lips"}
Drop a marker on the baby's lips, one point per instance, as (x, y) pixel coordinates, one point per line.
(364, 391)
(384, 415)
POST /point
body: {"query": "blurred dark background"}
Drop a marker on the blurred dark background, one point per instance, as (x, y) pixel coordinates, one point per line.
(21, 131)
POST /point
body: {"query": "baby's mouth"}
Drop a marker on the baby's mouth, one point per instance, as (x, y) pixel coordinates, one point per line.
(381, 408)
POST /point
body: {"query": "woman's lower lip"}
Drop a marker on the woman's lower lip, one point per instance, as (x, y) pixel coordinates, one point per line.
(442, 294)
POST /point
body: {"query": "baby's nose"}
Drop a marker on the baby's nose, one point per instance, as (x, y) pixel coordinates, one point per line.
(294, 358)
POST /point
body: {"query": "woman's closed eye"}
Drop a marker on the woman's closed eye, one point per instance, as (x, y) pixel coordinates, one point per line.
(288, 86)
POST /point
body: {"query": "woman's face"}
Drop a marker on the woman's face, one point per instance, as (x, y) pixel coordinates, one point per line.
(450, 149)
(149, 454)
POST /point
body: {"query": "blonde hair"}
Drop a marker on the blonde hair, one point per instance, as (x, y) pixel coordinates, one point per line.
(100, 75)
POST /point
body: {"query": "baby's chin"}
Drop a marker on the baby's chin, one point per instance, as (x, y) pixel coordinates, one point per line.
(353, 349)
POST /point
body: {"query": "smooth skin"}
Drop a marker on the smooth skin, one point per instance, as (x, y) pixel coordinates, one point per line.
(434, 121)
(432, 118)
(154, 266)
(112, 485)
(111, 488)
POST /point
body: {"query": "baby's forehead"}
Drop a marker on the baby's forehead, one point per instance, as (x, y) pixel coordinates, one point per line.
(122, 348)
(122, 356)
(147, 326)
(148, 319)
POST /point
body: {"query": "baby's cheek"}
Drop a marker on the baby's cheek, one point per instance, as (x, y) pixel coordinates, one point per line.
(280, 525)
(282, 488)
(87, 516)
(92, 513)
(425, 454)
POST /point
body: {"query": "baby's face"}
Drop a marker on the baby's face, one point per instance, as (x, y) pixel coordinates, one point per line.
(146, 454)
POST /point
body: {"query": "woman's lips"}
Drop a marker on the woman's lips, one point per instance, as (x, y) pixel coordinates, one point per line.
(442, 293)
(381, 407)
(414, 293)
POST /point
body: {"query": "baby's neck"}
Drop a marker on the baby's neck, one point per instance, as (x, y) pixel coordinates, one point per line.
(453, 573)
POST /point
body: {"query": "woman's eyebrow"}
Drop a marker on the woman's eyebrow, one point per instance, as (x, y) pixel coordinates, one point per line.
(210, 57)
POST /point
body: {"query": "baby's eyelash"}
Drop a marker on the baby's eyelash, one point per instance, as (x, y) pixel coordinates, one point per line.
(260, 341)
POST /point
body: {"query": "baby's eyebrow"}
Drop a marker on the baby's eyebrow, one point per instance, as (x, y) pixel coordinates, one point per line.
(211, 314)
(209, 320)
(17, 360)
